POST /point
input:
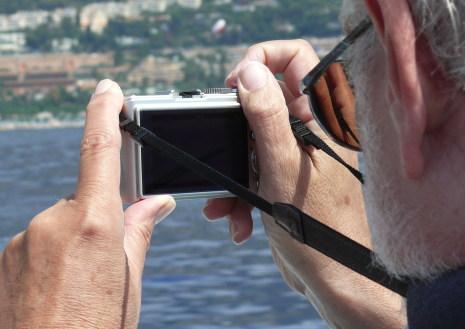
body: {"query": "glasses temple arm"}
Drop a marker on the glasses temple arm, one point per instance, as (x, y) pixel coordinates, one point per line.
(334, 54)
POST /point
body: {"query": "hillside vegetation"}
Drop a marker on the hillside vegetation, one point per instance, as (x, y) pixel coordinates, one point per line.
(154, 34)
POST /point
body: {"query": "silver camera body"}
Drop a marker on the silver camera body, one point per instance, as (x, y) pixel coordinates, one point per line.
(209, 125)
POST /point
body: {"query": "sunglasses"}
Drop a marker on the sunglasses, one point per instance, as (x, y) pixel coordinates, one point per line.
(331, 96)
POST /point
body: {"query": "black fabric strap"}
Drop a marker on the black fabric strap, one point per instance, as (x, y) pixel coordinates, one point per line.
(335, 246)
(299, 225)
(307, 137)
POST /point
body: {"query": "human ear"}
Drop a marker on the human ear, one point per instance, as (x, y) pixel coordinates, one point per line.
(396, 30)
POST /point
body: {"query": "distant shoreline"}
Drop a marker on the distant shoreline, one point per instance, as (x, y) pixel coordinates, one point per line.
(8, 125)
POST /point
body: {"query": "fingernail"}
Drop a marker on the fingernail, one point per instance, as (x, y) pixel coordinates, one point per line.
(205, 214)
(165, 211)
(103, 86)
(254, 76)
(205, 210)
(229, 76)
(209, 219)
(234, 230)
(229, 81)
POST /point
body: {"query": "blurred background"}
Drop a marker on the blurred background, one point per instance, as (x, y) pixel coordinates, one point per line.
(53, 53)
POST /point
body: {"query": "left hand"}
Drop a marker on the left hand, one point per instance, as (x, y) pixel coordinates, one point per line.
(79, 264)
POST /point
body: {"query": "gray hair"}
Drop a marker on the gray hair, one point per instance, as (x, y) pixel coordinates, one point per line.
(440, 22)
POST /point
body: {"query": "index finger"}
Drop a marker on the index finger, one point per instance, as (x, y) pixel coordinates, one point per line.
(99, 172)
(293, 58)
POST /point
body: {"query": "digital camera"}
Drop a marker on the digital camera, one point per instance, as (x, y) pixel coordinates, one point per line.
(209, 125)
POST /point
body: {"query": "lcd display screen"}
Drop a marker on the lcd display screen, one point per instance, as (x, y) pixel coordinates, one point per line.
(217, 137)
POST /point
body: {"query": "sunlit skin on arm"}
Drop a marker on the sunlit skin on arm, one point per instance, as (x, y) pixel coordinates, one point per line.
(311, 181)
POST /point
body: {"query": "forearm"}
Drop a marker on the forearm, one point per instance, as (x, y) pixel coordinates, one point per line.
(343, 298)
(347, 300)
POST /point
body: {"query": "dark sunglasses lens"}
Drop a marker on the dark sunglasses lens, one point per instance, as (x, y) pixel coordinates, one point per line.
(333, 104)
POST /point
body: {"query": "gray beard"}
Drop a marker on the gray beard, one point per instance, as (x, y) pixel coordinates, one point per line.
(402, 226)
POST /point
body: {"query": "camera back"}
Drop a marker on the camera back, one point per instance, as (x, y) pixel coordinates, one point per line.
(209, 125)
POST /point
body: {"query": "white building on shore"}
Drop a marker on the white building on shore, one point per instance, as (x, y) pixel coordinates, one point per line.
(12, 42)
(194, 4)
(96, 16)
(23, 20)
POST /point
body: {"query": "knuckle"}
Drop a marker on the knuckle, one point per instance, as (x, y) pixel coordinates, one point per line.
(12, 258)
(98, 141)
(39, 226)
(15, 244)
(265, 108)
(48, 225)
(306, 49)
(253, 48)
(257, 52)
(91, 224)
(17, 240)
(303, 46)
(103, 103)
(302, 43)
(94, 223)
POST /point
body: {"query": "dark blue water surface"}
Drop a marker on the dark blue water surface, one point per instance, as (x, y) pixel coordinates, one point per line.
(194, 277)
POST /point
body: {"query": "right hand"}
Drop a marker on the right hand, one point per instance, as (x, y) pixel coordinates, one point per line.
(308, 179)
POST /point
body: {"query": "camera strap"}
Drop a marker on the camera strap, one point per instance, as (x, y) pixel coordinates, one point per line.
(307, 137)
(299, 225)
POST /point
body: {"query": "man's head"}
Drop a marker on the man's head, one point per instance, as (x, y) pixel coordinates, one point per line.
(409, 74)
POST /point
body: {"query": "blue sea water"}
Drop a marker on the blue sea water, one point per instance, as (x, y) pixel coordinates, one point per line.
(195, 278)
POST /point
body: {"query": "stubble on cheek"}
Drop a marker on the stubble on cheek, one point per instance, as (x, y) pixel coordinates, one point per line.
(386, 217)
(406, 217)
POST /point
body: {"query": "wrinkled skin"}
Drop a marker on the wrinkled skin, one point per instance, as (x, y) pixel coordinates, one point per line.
(79, 263)
(310, 180)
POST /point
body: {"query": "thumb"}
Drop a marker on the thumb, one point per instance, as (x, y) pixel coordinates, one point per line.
(265, 108)
(139, 221)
